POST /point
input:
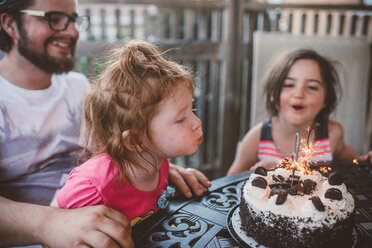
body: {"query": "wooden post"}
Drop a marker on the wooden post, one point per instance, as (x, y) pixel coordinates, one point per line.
(89, 31)
(336, 24)
(297, 22)
(103, 24)
(118, 24)
(231, 84)
(309, 25)
(189, 27)
(322, 25)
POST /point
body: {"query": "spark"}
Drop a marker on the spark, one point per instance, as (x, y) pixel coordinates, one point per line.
(303, 161)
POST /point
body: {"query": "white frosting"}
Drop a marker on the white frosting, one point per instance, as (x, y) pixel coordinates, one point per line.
(258, 193)
(341, 187)
(299, 207)
(309, 210)
(283, 209)
(253, 176)
(316, 177)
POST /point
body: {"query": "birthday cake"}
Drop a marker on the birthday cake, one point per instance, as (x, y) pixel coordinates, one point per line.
(296, 208)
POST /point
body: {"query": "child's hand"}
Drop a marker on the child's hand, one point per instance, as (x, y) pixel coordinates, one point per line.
(268, 165)
(188, 181)
(367, 157)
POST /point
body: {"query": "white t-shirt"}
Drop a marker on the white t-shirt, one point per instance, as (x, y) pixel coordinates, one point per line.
(40, 134)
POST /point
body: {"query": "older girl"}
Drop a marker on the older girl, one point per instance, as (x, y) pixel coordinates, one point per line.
(301, 92)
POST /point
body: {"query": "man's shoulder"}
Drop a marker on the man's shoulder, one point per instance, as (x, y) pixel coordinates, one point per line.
(72, 76)
(74, 80)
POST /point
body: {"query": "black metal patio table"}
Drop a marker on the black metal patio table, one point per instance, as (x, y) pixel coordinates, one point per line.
(202, 221)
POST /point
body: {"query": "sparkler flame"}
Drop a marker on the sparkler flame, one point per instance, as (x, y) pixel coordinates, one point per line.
(303, 161)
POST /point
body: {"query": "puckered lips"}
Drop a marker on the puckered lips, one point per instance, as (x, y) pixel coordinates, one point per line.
(200, 140)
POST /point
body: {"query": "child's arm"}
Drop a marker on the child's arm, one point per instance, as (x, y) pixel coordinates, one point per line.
(367, 157)
(340, 149)
(246, 155)
(188, 181)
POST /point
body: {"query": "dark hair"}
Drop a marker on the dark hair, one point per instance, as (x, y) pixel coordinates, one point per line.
(11, 7)
(277, 73)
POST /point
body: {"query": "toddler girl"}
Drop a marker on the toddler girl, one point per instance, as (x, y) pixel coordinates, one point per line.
(137, 115)
(301, 92)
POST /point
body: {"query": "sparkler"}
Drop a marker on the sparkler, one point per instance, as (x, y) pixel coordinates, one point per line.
(297, 146)
(296, 151)
(303, 162)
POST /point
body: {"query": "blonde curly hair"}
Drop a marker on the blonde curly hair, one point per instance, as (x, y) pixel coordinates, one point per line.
(126, 96)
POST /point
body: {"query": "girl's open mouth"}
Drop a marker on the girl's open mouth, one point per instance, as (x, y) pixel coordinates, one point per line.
(297, 107)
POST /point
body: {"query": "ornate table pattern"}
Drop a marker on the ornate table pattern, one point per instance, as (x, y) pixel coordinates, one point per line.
(201, 221)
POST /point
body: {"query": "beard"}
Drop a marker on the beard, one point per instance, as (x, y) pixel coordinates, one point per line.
(43, 60)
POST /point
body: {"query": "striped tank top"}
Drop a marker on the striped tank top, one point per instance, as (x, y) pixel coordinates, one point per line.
(267, 151)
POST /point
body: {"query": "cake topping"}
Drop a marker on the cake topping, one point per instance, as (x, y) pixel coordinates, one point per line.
(297, 189)
(282, 196)
(334, 194)
(293, 184)
(275, 191)
(309, 185)
(261, 171)
(293, 180)
(278, 178)
(335, 178)
(317, 203)
(259, 182)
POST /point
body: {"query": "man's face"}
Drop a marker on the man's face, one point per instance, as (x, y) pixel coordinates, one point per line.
(51, 51)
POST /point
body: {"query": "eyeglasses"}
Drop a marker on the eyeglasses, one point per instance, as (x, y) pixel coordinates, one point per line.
(59, 21)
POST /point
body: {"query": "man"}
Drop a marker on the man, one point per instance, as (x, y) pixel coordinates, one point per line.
(40, 122)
